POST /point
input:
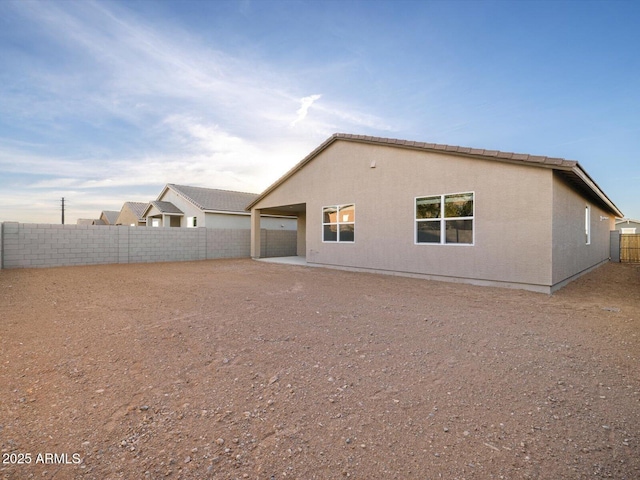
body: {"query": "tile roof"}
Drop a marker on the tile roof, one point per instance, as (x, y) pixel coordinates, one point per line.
(166, 207)
(214, 199)
(111, 216)
(137, 208)
(494, 154)
(571, 169)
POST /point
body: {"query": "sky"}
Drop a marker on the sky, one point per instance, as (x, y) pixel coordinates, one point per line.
(104, 102)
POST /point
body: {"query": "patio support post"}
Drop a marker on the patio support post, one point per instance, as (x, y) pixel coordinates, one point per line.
(255, 233)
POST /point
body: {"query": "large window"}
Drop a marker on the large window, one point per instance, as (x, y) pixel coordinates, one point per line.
(338, 223)
(445, 219)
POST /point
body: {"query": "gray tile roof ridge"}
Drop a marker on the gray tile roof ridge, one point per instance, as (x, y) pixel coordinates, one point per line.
(496, 154)
(137, 208)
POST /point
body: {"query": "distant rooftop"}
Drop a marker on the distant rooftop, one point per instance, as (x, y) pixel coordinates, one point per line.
(214, 199)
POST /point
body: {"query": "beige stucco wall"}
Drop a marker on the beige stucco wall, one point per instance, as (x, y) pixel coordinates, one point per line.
(571, 254)
(187, 208)
(512, 225)
(302, 235)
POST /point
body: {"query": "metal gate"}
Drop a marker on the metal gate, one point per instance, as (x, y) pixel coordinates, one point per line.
(630, 248)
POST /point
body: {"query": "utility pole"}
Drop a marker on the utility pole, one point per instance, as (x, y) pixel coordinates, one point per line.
(62, 210)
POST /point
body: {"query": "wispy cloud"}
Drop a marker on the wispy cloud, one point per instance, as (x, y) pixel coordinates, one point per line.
(132, 71)
(126, 104)
(305, 104)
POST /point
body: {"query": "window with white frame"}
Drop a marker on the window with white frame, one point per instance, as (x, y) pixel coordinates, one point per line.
(587, 225)
(192, 222)
(338, 223)
(445, 219)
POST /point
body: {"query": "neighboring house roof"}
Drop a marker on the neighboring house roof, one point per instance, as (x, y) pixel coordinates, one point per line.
(85, 221)
(627, 221)
(212, 199)
(137, 208)
(111, 216)
(98, 222)
(164, 207)
(570, 169)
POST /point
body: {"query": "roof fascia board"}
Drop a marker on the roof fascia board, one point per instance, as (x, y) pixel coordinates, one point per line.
(295, 168)
(146, 210)
(584, 176)
(246, 214)
(226, 212)
(164, 190)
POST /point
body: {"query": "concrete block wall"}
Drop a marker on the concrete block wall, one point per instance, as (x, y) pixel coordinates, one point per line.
(164, 244)
(44, 245)
(24, 245)
(278, 243)
(228, 243)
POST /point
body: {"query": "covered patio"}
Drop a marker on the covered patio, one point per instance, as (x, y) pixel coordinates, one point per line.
(299, 210)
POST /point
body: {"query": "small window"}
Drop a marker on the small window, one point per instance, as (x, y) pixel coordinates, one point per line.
(338, 223)
(155, 222)
(445, 219)
(587, 225)
(192, 222)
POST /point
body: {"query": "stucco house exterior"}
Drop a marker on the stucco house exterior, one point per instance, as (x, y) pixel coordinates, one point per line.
(186, 206)
(442, 212)
(628, 225)
(131, 214)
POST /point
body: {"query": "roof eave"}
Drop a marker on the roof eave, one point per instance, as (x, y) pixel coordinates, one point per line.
(293, 170)
(506, 157)
(593, 186)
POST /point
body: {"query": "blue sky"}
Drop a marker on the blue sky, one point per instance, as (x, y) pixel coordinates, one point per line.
(105, 102)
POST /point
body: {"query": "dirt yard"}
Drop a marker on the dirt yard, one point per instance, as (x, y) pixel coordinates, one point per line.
(232, 369)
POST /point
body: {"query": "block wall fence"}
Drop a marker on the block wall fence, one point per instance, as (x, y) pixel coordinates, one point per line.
(32, 245)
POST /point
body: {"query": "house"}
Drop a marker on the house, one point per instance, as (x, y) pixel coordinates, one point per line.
(131, 214)
(628, 225)
(107, 217)
(85, 221)
(442, 212)
(185, 206)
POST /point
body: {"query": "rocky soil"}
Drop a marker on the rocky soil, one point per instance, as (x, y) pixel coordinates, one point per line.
(237, 369)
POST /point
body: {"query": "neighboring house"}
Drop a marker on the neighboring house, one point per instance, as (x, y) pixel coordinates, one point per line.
(628, 225)
(85, 221)
(107, 217)
(132, 214)
(442, 212)
(185, 206)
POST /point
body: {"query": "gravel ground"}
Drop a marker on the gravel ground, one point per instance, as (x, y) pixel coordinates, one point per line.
(230, 369)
